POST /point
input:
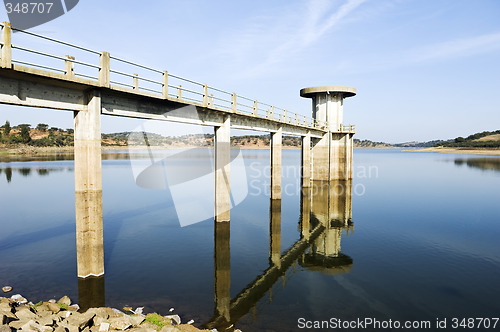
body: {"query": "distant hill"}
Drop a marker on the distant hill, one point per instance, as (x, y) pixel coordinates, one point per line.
(485, 139)
(419, 144)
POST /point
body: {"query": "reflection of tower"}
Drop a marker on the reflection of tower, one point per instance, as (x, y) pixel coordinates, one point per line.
(331, 207)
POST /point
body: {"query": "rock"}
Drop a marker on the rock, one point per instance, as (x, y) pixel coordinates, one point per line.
(136, 320)
(100, 312)
(142, 329)
(103, 327)
(25, 314)
(171, 310)
(120, 323)
(76, 306)
(42, 307)
(6, 289)
(87, 329)
(64, 314)
(190, 322)
(6, 317)
(19, 299)
(46, 320)
(60, 329)
(5, 328)
(32, 326)
(17, 324)
(64, 301)
(54, 307)
(169, 329)
(5, 307)
(68, 327)
(52, 301)
(127, 308)
(80, 320)
(175, 318)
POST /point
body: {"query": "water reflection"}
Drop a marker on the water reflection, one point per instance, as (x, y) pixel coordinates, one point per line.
(325, 213)
(91, 292)
(29, 171)
(489, 164)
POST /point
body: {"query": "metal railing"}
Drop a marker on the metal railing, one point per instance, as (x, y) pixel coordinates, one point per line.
(109, 71)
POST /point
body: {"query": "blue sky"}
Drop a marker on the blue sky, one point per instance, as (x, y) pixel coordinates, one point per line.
(423, 69)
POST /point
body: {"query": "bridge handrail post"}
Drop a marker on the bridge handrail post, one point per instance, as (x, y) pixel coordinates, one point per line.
(6, 53)
(69, 66)
(136, 81)
(305, 121)
(285, 115)
(233, 102)
(296, 119)
(271, 114)
(164, 87)
(104, 79)
(255, 108)
(205, 95)
(179, 91)
(211, 100)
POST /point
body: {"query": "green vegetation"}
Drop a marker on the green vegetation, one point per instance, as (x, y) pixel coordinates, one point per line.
(474, 141)
(62, 306)
(156, 319)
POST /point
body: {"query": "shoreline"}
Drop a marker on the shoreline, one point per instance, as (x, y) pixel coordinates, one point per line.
(490, 152)
(19, 314)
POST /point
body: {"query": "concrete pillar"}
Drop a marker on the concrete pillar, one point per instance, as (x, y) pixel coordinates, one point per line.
(338, 156)
(276, 139)
(306, 160)
(275, 232)
(222, 156)
(340, 196)
(305, 212)
(320, 166)
(222, 269)
(88, 188)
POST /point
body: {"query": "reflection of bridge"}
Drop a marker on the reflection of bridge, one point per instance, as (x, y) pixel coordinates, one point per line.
(325, 212)
(92, 83)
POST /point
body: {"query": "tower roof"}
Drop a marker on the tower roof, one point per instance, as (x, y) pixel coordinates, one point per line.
(346, 91)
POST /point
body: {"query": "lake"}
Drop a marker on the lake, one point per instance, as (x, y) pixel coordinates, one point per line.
(420, 243)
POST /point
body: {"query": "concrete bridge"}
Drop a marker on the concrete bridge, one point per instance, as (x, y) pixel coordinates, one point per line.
(92, 85)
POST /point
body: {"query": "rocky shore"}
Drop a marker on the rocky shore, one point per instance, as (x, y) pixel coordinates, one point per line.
(17, 313)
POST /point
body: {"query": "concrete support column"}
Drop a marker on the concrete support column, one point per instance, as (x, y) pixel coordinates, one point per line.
(306, 160)
(88, 188)
(275, 232)
(349, 156)
(222, 156)
(276, 139)
(222, 270)
(338, 156)
(321, 158)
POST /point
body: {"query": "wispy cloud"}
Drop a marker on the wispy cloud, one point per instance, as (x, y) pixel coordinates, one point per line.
(267, 40)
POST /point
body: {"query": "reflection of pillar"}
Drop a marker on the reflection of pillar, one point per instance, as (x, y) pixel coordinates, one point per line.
(321, 158)
(88, 188)
(320, 191)
(276, 164)
(305, 212)
(306, 160)
(91, 293)
(275, 232)
(222, 156)
(222, 267)
(340, 201)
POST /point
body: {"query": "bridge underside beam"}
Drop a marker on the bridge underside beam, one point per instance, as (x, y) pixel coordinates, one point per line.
(34, 88)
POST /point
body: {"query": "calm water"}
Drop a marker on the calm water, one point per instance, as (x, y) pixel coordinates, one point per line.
(423, 242)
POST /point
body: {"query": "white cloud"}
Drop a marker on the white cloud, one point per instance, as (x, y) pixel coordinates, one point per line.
(266, 41)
